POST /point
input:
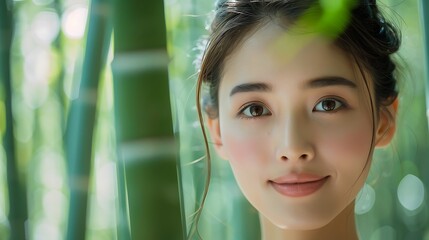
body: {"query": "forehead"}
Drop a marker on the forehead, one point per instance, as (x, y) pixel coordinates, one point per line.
(271, 52)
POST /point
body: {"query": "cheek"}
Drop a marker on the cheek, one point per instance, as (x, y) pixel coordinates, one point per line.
(351, 142)
(248, 157)
(348, 148)
(247, 149)
(242, 150)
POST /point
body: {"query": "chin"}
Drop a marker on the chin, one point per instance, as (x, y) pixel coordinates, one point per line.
(306, 226)
(301, 224)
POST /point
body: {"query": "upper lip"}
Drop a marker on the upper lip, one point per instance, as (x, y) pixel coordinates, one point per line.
(298, 178)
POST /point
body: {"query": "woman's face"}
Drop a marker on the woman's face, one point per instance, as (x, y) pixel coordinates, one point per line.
(296, 130)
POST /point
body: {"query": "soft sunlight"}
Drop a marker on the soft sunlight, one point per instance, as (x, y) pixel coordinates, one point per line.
(74, 21)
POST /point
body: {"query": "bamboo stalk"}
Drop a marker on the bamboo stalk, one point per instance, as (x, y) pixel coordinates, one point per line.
(17, 195)
(81, 120)
(424, 13)
(150, 206)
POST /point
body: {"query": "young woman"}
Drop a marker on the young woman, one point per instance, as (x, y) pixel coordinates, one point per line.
(297, 104)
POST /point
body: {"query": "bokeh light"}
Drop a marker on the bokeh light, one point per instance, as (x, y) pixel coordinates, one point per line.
(37, 68)
(54, 203)
(411, 192)
(365, 200)
(45, 231)
(46, 26)
(74, 21)
(105, 179)
(53, 178)
(35, 94)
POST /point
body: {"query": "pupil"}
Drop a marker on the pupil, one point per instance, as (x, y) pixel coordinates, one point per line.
(256, 110)
(328, 105)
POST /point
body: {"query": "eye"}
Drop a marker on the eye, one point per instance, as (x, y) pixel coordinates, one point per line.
(328, 105)
(254, 110)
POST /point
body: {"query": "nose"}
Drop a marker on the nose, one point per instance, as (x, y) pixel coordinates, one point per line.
(296, 142)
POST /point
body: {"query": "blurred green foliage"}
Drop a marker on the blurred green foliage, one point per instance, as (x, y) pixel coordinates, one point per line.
(47, 53)
(330, 18)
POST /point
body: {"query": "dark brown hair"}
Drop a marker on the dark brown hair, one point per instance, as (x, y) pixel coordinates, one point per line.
(368, 37)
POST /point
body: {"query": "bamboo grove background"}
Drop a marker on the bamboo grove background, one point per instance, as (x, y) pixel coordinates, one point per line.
(91, 93)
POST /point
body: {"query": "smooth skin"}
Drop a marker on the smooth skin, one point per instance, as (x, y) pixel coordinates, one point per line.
(306, 113)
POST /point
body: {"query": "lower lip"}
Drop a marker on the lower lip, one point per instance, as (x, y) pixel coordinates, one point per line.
(299, 189)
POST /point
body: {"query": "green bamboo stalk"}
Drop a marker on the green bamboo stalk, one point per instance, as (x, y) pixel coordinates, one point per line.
(81, 119)
(150, 207)
(17, 195)
(424, 13)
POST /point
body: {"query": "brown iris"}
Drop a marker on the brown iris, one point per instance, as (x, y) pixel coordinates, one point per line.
(256, 111)
(329, 105)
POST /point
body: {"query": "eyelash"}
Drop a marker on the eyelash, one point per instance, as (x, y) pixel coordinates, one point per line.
(247, 106)
(343, 105)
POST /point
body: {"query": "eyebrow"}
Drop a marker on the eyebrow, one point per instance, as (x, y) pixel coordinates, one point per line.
(251, 87)
(330, 81)
(315, 83)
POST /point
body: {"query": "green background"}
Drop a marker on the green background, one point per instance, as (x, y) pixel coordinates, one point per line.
(47, 58)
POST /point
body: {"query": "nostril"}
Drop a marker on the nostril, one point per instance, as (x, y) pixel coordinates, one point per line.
(303, 157)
